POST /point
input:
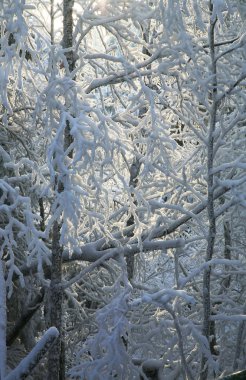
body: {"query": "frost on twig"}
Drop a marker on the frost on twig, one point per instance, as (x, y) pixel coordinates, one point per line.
(19, 225)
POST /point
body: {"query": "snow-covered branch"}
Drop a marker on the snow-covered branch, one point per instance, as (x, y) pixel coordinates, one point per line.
(33, 358)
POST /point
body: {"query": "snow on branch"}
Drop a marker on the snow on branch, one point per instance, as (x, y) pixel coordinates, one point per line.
(33, 358)
(12, 206)
(122, 76)
(162, 297)
(230, 318)
(126, 250)
(207, 264)
(93, 251)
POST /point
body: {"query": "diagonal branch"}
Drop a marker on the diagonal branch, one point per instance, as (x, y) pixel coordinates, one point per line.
(25, 318)
(27, 365)
(122, 75)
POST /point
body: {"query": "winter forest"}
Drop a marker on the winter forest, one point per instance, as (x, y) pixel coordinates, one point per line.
(122, 189)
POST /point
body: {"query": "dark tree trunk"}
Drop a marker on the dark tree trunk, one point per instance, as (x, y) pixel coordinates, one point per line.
(56, 359)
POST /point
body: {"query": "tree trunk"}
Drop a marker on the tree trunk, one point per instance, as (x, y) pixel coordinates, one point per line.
(134, 172)
(136, 164)
(210, 205)
(3, 322)
(56, 359)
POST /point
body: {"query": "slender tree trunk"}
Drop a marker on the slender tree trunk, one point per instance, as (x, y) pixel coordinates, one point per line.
(134, 172)
(56, 359)
(227, 254)
(136, 164)
(68, 32)
(3, 322)
(210, 205)
(52, 21)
